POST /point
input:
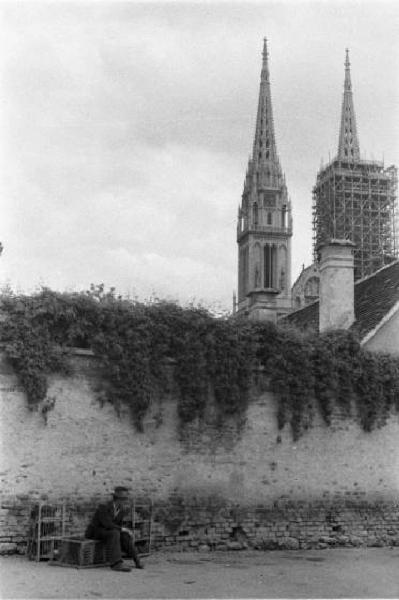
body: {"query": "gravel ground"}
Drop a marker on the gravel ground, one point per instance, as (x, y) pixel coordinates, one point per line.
(331, 573)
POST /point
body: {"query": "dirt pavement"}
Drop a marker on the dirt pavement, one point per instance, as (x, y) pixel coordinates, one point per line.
(333, 573)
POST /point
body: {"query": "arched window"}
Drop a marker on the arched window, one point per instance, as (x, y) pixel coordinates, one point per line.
(270, 265)
(241, 277)
(269, 218)
(243, 280)
(257, 261)
(283, 216)
(312, 287)
(282, 261)
(255, 213)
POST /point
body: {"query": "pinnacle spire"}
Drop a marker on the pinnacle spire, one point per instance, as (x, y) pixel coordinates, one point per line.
(265, 64)
(348, 145)
(347, 71)
(264, 155)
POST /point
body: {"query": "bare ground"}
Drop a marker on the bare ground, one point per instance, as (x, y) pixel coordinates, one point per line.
(331, 573)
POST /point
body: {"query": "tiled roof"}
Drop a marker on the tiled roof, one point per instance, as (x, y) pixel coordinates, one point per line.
(375, 296)
(305, 318)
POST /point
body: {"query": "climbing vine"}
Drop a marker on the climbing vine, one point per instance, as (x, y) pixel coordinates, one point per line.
(30, 342)
(330, 372)
(213, 360)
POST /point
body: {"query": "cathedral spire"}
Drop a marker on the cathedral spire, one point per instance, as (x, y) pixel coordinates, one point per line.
(348, 145)
(265, 65)
(264, 222)
(264, 155)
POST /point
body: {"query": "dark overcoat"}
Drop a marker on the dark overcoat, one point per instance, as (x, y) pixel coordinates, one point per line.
(104, 518)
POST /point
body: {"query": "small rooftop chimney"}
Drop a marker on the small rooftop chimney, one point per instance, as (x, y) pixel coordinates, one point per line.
(336, 295)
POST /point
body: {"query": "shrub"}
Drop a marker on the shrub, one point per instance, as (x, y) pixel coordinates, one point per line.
(213, 358)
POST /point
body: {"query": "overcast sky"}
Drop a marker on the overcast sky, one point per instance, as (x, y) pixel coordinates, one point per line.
(126, 130)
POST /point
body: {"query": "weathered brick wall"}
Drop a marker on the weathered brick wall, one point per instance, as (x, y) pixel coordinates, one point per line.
(251, 486)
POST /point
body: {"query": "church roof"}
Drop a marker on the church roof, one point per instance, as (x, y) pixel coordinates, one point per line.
(375, 297)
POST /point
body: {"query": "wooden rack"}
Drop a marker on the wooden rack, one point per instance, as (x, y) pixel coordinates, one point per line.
(139, 521)
(47, 528)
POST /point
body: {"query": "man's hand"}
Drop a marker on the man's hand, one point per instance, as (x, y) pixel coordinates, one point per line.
(126, 530)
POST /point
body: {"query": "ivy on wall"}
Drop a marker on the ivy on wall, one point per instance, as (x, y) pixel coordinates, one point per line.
(214, 359)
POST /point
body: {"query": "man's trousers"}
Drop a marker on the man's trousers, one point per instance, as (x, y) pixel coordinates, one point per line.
(116, 542)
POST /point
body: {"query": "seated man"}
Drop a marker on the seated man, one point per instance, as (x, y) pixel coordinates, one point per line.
(107, 525)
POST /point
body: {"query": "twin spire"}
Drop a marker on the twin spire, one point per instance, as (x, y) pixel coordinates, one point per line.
(348, 145)
(265, 65)
(264, 155)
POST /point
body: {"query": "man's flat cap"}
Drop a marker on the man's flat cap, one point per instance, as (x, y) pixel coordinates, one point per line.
(121, 492)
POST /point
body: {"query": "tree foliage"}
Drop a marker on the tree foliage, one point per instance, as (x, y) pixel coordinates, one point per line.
(213, 359)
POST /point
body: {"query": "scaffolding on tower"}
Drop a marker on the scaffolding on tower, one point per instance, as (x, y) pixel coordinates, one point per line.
(357, 200)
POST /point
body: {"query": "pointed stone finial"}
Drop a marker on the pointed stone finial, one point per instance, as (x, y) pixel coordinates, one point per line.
(347, 84)
(265, 65)
(264, 154)
(348, 144)
(347, 63)
(265, 53)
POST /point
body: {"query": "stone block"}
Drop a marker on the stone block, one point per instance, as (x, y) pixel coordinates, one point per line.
(342, 540)
(374, 542)
(266, 544)
(325, 539)
(356, 541)
(290, 543)
(8, 548)
(234, 545)
(221, 547)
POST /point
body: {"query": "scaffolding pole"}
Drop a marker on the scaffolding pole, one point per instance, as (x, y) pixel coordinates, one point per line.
(358, 201)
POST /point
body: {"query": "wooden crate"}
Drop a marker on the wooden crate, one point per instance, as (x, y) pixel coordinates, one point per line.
(82, 552)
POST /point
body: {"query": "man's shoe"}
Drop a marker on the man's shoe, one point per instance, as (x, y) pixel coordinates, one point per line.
(139, 565)
(120, 566)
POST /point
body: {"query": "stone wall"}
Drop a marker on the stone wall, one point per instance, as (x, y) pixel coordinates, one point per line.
(248, 485)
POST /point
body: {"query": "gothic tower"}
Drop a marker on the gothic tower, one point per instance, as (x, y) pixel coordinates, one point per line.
(264, 228)
(355, 199)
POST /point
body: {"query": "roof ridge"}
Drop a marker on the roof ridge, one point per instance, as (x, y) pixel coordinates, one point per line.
(297, 310)
(370, 334)
(313, 264)
(394, 262)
